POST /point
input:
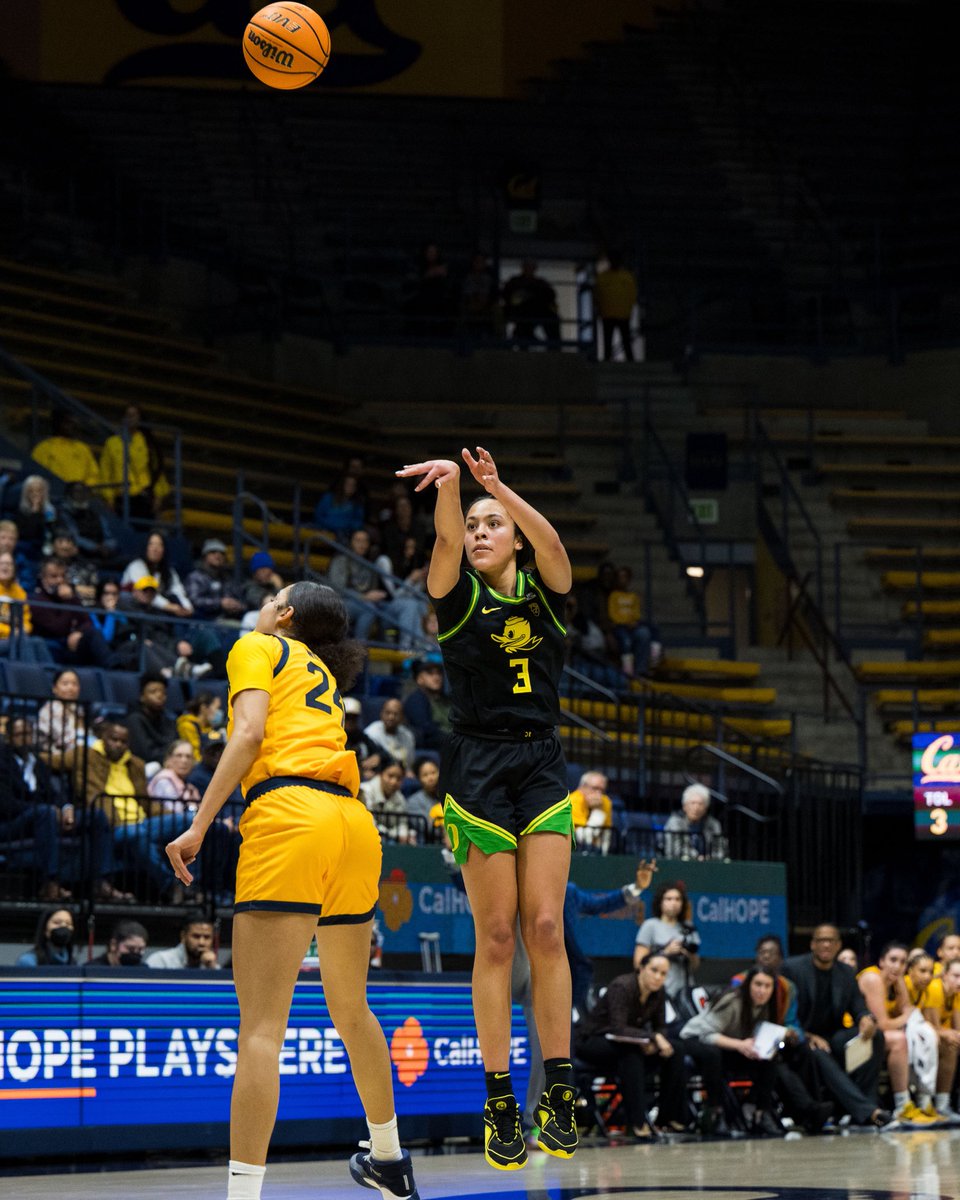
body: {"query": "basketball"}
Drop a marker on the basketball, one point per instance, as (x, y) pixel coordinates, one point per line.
(286, 45)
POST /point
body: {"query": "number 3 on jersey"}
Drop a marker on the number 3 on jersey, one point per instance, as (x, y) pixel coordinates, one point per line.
(313, 699)
(522, 667)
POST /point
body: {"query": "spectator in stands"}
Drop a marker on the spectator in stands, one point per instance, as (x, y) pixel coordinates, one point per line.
(210, 586)
(637, 641)
(55, 617)
(341, 509)
(370, 754)
(478, 298)
(626, 1035)
(86, 522)
(948, 949)
(65, 455)
(171, 597)
(670, 931)
(195, 949)
(151, 727)
(202, 717)
(426, 802)
(79, 572)
(826, 990)
(885, 992)
(53, 942)
(126, 946)
(427, 707)
(395, 737)
(156, 643)
(615, 294)
(171, 784)
(9, 544)
(530, 303)
(111, 623)
(387, 804)
(692, 832)
(36, 517)
(395, 533)
(147, 484)
(366, 597)
(592, 811)
(264, 581)
(594, 600)
(60, 723)
(430, 307)
(10, 590)
(941, 1008)
(25, 815)
(849, 956)
(721, 1043)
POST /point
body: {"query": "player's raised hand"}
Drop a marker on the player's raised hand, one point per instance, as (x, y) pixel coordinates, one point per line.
(436, 470)
(483, 469)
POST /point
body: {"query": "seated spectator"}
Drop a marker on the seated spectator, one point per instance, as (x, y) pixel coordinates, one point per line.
(126, 946)
(367, 599)
(693, 833)
(210, 586)
(592, 811)
(885, 992)
(195, 949)
(155, 641)
(202, 773)
(826, 990)
(26, 815)
(948, 949)
(53, 941)
(9, 544)
(202, 717)
(146, 482)
(638, 642)
(425, 802)
(112, 625)
(626, 1036)
(340, 509)
(60, 723)
(721, 1043)
(151, 728)
(171, 596)
(941, 1008)
(427, 707)
(86, 522)
(56, 618)
(36, 518)
(400, 528)
(10, 589)
(64, 454)
(264, 581)
(395, 737)
(669, 931)
(530, 303)
(79, 572)
(370, 754)
(171, 784)
(386, 802)
(117, 782)
(479, 310)
(769, 955)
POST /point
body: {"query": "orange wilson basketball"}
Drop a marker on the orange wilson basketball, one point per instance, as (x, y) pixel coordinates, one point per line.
(286, 45)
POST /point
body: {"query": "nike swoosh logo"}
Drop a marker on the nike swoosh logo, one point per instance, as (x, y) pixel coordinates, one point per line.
(496, 608)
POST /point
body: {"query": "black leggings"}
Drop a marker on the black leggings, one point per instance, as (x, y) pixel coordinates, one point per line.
(629, 1066)
(716, 1065)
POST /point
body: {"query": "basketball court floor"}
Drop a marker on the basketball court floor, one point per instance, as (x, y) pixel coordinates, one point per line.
(918, 1165)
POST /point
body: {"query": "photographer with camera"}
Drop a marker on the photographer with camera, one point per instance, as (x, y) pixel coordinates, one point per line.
(670, 932)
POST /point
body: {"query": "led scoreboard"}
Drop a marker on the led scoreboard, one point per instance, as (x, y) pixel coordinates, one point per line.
(936, 786)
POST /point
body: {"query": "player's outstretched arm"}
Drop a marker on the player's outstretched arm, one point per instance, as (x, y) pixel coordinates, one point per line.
(445, 561)
(552, 561)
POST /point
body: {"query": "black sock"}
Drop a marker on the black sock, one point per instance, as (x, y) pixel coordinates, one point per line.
(558, 1070)
(498, 1084)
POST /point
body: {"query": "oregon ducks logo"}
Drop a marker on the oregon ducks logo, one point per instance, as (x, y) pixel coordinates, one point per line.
(516, 636)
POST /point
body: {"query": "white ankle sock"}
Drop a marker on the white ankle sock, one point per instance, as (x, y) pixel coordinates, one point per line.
(244, 1180)
(941, 1101)
(384, 1141)
(900, 1099)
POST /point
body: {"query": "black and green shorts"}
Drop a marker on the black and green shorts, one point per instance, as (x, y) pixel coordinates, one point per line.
(497, 791)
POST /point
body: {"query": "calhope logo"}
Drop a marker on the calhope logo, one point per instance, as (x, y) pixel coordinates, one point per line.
(409, 1052)
(396, 900)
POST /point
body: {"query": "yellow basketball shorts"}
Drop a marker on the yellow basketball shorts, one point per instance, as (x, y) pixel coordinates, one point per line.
(309, 847)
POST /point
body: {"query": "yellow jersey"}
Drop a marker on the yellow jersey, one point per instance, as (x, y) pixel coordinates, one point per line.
(304, 736)
(918, 996)
(891, 999)
(945, 1007)
(581, 810)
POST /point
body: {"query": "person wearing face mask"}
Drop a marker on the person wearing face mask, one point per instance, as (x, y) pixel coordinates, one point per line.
(126, 946)
(201, 717)
(53, 943)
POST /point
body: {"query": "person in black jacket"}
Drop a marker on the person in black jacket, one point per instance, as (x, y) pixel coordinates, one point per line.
(625, 1036)
(427, 708)
(826, 989)
(26, 813)
(151, 727)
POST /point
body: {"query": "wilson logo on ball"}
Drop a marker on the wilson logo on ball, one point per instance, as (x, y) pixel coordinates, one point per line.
(269, 50)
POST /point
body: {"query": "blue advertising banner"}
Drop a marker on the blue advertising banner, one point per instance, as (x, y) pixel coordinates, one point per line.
(160, 1049)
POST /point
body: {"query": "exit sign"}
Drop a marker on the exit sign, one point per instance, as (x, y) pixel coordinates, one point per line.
(707, 512)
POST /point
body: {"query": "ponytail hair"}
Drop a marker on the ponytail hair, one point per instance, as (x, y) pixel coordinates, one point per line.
(320, 622)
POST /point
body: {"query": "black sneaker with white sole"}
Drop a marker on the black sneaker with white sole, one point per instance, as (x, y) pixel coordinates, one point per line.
(394, 1180)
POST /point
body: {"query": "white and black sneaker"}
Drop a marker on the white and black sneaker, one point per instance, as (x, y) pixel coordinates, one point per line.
(394, 1180)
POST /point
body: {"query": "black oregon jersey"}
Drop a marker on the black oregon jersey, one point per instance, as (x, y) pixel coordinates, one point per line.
(503, 655)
